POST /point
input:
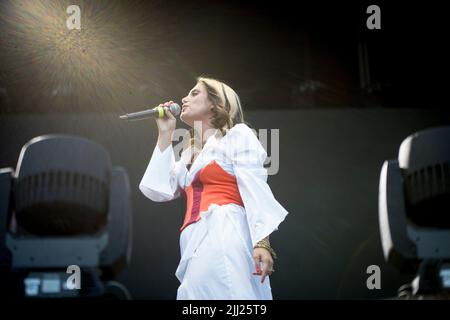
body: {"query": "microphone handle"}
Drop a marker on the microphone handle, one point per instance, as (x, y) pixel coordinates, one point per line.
(157, 112)
(139, 115)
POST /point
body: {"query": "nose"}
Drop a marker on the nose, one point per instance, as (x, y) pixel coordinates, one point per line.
(184, 100)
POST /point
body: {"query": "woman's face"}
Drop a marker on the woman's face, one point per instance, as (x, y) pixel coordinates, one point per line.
(196, 106)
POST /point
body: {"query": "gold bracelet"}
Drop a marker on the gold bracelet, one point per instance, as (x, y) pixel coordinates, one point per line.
(266, 245)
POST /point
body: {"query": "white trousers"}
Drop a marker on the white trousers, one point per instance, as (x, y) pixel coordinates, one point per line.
(217, 258)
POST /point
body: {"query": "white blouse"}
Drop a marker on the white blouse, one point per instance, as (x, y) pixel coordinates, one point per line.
(240, 154)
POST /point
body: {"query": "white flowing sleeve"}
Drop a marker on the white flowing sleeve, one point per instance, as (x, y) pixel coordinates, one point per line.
(161, 180)
(264, 213)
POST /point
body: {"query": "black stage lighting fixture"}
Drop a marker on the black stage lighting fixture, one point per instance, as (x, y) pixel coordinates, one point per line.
(414, 211)
(64, 206)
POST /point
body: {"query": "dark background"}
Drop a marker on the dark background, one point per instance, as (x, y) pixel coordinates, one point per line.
(278, 55)
(296, 67)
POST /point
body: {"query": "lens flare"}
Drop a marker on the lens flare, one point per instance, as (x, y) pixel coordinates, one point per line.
(102, 65)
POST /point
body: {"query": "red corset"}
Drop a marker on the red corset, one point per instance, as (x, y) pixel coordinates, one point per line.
(211, 184)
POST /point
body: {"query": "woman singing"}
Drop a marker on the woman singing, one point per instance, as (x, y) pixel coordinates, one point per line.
(231, 211)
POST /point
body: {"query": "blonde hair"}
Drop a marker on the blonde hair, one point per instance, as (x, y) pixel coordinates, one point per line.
(227, 110)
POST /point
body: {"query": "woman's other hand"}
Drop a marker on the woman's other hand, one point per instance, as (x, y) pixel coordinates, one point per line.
(264, 256)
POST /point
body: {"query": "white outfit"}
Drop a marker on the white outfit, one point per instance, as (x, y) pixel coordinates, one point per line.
(217, 251)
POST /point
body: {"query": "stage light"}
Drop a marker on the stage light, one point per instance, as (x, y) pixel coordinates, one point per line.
(414, 210)
(64, 205)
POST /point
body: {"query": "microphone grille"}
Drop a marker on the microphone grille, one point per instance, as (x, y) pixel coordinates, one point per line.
(175, 109)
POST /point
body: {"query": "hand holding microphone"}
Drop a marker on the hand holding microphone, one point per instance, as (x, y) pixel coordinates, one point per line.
(168, 123)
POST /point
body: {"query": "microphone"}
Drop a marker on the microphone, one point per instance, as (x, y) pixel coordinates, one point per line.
(158, 112)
